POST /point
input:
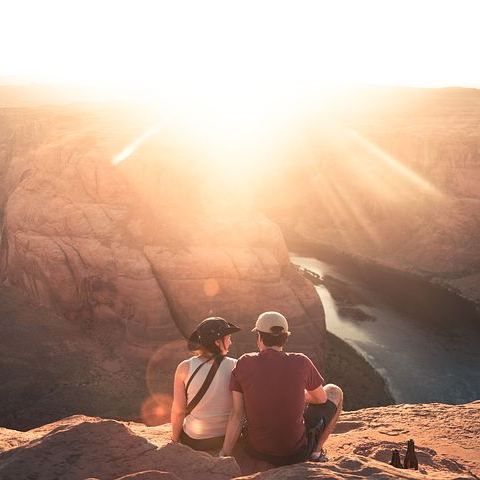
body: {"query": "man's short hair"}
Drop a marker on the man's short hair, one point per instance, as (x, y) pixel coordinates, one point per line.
(274, 339)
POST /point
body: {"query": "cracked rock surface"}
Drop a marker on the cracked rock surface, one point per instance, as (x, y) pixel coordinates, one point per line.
(149, 246)
(80, 447)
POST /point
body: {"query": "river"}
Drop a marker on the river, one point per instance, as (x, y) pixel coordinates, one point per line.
(424, 343)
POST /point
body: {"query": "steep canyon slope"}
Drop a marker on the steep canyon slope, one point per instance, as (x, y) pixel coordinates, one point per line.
(391, 176)
(145, 245)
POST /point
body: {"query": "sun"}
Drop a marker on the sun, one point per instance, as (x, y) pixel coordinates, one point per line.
(241, 122)
(240, 74)
(280, 45)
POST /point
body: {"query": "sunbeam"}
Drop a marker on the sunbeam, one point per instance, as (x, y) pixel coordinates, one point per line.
(360, 188)
(344, 209)
(400, 170)
(126, 152)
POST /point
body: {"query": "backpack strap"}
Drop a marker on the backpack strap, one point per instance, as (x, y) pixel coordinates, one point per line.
(208, 380)
(194, 373)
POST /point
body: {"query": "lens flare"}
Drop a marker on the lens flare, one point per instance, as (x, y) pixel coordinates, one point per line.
(125, 153)
(162, 364)
(155, 410)
(211, 287)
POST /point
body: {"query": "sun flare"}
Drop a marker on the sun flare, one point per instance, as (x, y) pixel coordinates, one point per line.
(238, 129)
(237, 75)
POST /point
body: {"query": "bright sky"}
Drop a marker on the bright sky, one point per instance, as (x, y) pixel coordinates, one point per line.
(205, 44)
(236, 69)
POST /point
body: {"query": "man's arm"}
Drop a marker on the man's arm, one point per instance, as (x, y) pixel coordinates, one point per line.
(234, 426)
(314, 391)
(179, 401)
(316, 396)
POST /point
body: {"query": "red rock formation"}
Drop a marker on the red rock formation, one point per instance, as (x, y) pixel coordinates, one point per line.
(140, 243)
(446, 439)
(394, 180)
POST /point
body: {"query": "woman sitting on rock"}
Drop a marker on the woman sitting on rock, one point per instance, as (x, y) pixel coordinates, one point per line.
(202, 399)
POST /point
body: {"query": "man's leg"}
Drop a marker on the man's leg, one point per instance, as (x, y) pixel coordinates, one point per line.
(335, 395)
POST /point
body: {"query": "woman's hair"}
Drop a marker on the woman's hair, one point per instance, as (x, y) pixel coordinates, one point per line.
(207, 348)
(274, 339)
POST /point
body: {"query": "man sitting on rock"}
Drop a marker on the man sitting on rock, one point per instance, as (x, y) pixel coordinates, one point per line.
(289, 414)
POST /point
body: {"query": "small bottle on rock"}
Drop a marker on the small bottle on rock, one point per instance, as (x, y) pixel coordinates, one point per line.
(410, 458)
(395, 461)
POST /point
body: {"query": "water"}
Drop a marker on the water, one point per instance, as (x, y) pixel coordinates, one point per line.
(423, 359)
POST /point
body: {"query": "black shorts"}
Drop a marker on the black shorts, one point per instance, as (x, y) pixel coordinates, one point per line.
(316, 417)
(214, 443)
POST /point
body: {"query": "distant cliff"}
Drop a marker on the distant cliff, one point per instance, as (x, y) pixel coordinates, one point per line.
(391, 176)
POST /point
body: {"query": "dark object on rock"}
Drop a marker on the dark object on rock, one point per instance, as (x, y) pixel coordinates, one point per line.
(395, 461)
(410, 460)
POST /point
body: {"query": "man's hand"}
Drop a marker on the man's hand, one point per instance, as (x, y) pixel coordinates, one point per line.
(234, 426)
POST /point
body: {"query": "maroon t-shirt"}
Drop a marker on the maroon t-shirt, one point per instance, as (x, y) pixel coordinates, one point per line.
(273, 384)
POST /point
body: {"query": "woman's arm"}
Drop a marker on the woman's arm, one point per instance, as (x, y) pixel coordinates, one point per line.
(234, 426)
(179, 401)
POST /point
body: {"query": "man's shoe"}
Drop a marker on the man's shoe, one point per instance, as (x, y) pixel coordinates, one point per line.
(319, 457)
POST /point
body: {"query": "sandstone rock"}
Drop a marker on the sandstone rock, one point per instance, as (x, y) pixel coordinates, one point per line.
(395, 180)
(50, 369)
(138, 245)
(83, 447)
(60, 244)
(445, 436)
(79, 447)
(348, 467)
(131, 256)
(150, 475)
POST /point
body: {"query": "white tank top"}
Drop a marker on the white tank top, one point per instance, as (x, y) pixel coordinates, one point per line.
(209, 418)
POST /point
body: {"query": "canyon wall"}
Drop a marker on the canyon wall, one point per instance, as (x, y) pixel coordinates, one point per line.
(119, 234)
(393, 179)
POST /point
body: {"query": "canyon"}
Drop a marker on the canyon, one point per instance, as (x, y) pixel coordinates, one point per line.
(392, 178)
(138, 244)
(118, 262)
(118, 237)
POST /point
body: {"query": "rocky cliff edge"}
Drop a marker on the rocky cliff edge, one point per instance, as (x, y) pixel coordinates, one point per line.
(80, 447)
